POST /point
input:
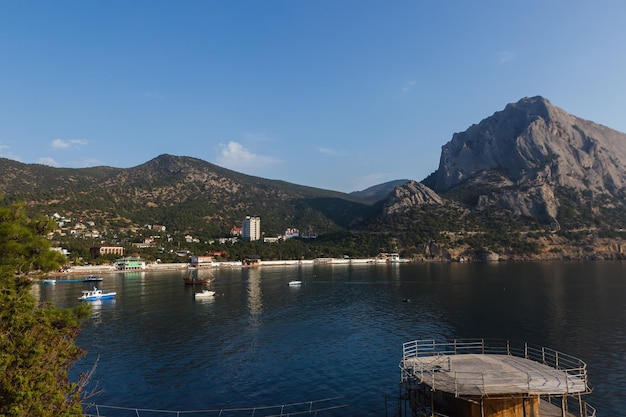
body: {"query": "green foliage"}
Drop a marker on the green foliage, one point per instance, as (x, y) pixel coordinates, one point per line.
(23, 246)
(194, 197)
(612, 233)
(185, 194)
(36, 342)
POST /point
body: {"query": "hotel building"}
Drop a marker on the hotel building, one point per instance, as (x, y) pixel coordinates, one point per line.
(251, 228)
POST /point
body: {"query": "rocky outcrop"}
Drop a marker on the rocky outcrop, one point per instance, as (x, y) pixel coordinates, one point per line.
(527, 150)
(409, 195)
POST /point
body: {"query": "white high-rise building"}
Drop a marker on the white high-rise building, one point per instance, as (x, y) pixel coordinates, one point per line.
(251, 228)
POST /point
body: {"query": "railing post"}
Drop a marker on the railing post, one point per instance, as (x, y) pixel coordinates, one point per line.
(484, 388)
(432, 404)
(580, 405)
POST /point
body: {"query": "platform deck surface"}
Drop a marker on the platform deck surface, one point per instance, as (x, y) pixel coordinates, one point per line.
(493, 375)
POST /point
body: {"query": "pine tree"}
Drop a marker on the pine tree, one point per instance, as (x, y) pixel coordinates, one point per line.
(36, 341)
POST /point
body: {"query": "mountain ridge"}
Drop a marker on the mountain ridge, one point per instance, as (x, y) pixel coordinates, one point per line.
(511, 181)
(160, 187)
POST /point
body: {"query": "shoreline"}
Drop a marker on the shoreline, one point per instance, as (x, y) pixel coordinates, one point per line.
(109, 269)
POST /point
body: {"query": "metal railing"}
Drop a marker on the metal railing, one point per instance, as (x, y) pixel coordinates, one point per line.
(436, 358)
(318, 408)
(573, 367)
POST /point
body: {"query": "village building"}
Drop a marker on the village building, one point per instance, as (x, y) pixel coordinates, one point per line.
(201, 261)
(106, 250)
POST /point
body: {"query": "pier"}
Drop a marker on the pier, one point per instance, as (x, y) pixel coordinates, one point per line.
(487, 378)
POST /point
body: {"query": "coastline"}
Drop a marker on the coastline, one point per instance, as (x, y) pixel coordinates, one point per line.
(110, 269)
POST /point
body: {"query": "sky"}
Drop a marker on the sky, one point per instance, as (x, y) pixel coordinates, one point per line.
(334, 94)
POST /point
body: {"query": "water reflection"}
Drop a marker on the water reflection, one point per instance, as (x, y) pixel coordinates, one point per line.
(255, 301)
(260, 342)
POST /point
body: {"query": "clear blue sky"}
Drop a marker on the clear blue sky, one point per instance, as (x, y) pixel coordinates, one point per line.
(335, 94)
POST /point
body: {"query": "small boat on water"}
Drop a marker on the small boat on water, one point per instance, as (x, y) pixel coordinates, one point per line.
(48, 281)
(204, 294)
(295, 283)
(92, 278)
(96, 294)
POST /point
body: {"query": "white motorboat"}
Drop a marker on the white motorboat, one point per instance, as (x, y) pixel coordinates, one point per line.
(204, 294)
(96, 294)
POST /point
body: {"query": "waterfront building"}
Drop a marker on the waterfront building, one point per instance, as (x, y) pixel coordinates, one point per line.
(251, 228)
(131, 263)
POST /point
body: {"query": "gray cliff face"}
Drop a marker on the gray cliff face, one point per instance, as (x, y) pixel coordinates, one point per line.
(409, 195)
(531, 147)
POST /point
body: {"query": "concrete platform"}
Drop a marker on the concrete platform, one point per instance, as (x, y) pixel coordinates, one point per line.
(493, 375)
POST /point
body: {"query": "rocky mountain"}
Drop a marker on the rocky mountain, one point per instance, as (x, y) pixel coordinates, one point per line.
(530, 181)
(408, 195)
(534, 159)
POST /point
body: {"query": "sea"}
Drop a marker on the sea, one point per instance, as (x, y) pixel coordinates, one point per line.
(333, 344)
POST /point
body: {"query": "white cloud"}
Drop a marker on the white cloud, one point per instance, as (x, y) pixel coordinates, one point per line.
(327, 151)
(48, 161)
(68, 144)
(5, 153)
(408, 86)
(234, 156)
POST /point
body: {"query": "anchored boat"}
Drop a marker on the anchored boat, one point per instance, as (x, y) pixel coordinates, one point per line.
(96, 294)
(92, 278)
(204, 294)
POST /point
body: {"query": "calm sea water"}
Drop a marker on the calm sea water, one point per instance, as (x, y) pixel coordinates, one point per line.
(339, 336)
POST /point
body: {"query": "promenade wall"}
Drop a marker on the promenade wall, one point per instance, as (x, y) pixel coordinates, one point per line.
(109, 269)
